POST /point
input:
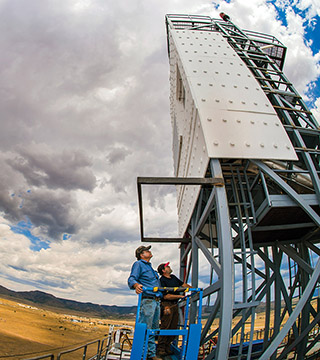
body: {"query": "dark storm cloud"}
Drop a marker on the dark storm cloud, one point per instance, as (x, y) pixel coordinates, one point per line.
(52, 56)
(11, 189)
(69, 170)
(54, 60)
(55, 212)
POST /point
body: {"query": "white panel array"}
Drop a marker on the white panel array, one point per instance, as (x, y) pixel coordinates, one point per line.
(218, 110)
(237, 119)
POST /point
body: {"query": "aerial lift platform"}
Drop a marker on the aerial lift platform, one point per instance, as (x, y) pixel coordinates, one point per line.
(186, 346)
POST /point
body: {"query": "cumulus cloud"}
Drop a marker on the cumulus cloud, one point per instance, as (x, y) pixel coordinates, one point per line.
(117, 155)
(316, 110)
(302, 66)
(84, 97)
(101, 269)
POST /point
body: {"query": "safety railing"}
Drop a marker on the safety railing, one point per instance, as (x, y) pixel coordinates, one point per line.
(102, 347)
(48, 356)
(105, 346)
(85, 349)
(121, 343)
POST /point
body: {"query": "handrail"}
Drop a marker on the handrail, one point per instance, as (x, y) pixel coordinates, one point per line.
(103, 351)
(174, 289)
(85, 347)
(51, 356)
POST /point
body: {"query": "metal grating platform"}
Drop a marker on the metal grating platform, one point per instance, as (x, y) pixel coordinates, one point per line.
(280, 219)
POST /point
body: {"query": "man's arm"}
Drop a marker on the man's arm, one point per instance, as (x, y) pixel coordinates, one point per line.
(186, 285)
(176, 296)
(173, 297)
(134, 277)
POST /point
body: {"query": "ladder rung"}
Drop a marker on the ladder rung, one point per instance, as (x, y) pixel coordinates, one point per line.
(255, 58)
(272, 80)
(264, 69)
(285, 93)
(308, 131)
(291, 109)
(315, 151)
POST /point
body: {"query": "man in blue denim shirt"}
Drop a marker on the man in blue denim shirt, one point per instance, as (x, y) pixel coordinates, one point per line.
(143, 275)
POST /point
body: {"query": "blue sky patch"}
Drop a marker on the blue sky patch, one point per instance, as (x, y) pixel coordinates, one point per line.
(312, 39)
(281, 14)
(25, 228)
(66, 236)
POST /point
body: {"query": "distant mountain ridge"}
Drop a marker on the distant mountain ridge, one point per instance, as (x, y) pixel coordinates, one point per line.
(42, 298)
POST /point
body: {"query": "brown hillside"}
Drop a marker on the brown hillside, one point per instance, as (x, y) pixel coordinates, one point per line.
(27, 331)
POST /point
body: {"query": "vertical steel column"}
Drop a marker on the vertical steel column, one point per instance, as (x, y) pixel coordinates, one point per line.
(195, 269)
(277, 293)
(305, 314)
(226, 261)
(268, 304)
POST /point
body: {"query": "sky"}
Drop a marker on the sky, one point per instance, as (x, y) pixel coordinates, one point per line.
(84, 111)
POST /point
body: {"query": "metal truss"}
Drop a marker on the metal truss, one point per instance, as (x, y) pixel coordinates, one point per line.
(259, 229)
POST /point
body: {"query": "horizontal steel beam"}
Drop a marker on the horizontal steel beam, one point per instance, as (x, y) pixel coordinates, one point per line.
(283, 227)
(216, 181)
(165, 240)
(237, 306)
(213, 181)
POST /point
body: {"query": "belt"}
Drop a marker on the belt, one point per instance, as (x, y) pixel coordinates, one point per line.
(157, 298)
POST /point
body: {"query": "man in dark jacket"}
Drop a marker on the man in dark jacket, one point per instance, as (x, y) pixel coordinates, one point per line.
(169, 307)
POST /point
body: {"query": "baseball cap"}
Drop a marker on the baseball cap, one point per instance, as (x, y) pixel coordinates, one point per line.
(162, 266)
(141, 249)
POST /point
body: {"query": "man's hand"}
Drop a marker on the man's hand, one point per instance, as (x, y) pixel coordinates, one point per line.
(138, 288)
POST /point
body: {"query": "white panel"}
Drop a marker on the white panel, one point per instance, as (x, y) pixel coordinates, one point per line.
(193, 156)
(236, 117)
(225, 114)
(195, 165)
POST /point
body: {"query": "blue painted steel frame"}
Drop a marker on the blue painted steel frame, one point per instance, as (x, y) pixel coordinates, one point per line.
(190, 333)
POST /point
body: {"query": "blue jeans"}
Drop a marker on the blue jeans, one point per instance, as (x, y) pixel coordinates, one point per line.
(150, 314)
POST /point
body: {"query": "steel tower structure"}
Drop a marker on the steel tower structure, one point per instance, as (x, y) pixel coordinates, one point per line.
(246, 162)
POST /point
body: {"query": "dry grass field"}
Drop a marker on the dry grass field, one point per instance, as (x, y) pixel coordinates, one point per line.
(27, 331)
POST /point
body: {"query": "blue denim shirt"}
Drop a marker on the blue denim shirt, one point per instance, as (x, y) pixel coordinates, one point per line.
(142, 273)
